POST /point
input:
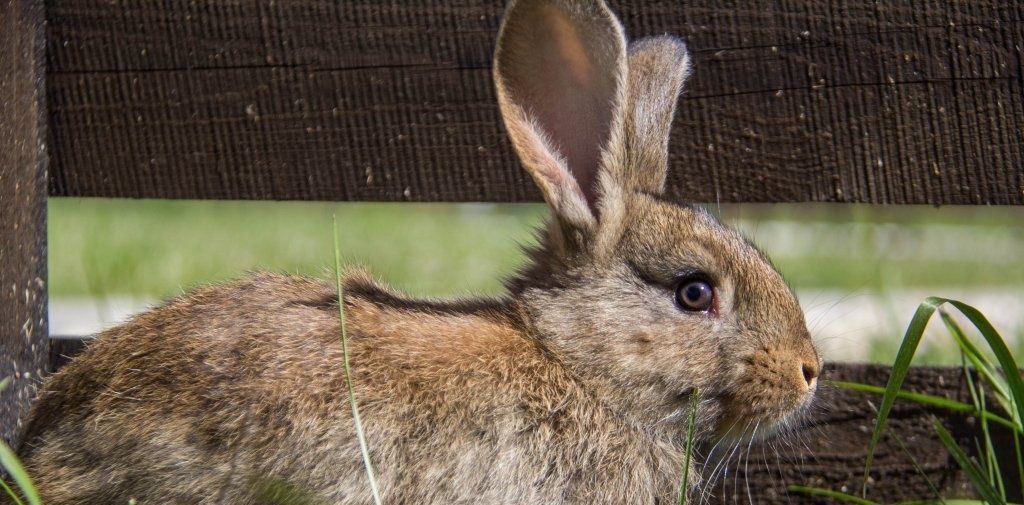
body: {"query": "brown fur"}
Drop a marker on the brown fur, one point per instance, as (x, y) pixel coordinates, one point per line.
(571, 389)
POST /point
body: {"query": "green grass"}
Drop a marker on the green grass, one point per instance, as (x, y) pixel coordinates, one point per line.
(157, 248)
(691, 432)
(10, 464)
(356, 419)
(988, 362)
(890, 247)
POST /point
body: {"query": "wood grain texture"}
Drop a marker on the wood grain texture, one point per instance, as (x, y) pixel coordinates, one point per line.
(24, 347)
(819, 100)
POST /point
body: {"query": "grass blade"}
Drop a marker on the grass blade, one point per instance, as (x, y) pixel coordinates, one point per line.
(995, 476)
(1011, 371)
(828, 493)
(970, 469)
(691, 430)
(908, 347)
(911, 340)
(9, 461)
(929, 400)
(348, 373)
(10, 492)
(1020, 461)
(978, 399)
(981, 362)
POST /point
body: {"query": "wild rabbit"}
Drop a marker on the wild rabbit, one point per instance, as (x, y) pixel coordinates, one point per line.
(572, 388)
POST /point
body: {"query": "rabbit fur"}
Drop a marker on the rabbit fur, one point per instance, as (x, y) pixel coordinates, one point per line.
(573, 388)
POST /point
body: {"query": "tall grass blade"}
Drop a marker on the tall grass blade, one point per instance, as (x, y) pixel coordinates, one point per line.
(691, 430)
(981, 485)
(828, 493)
(1020, 461)
(10, 492)
(978, 399)
(929, 400)
(10, 463)
(1011, 371)
(348, 372)
(908, 347)
(981, 362)
(918, 469)
(995, 476)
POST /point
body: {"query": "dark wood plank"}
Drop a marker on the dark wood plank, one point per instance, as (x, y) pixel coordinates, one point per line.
(24, 347)
(898, 102)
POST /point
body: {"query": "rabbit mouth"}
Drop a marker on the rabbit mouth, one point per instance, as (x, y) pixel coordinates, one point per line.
(746, 421)
(772, 392)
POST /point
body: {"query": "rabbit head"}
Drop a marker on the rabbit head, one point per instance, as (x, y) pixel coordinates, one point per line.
(642, 298)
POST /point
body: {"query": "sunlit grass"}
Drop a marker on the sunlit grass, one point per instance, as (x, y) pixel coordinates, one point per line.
(10, 464)
(356, 419)
(156, 248)
(996, 370)
(691, 432)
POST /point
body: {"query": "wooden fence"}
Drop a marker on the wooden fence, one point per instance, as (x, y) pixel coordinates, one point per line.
(902, 102)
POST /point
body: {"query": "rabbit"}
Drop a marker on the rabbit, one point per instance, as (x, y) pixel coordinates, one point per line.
(572, 388)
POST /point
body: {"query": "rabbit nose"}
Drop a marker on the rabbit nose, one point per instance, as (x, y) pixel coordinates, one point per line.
(810, 370)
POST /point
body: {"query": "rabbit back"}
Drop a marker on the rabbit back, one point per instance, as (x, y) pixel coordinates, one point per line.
(236, 392)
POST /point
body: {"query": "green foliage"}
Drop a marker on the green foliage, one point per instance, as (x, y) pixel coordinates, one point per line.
(356, 420)
(856, 500)
(158, 248)
(996, 368)
(155, 248)
(691, 431)
(969, 467)
(10, 463)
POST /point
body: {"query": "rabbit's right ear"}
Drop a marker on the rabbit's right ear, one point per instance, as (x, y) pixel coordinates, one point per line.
(560, 69)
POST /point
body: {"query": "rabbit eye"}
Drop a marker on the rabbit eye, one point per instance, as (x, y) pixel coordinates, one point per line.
(695, 295)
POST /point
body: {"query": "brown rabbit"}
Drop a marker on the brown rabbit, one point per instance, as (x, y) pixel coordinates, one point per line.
(573, 388)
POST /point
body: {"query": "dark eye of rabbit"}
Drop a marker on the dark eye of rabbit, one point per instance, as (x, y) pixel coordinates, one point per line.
(695, 295)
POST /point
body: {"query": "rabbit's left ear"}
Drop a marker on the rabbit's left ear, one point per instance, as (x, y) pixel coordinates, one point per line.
(560, 70)
(658, 66)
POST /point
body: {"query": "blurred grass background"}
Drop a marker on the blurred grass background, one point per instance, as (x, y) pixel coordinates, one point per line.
(153, 249)
(157, 248)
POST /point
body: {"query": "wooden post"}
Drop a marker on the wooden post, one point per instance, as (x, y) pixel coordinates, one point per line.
(24, 349)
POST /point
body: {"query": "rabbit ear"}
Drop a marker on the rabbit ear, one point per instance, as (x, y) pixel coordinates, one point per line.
(560, 70)
(658, 66)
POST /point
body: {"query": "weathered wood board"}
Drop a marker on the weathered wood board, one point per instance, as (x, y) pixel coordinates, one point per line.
(858, 101)
(24, 346)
